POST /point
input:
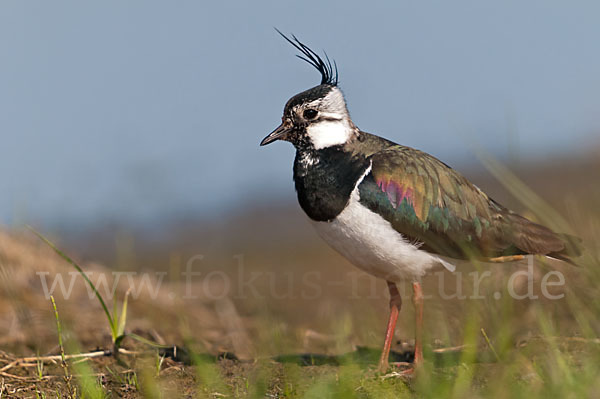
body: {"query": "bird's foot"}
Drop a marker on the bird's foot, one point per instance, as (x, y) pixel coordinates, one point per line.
(398, 369)
(401, 368)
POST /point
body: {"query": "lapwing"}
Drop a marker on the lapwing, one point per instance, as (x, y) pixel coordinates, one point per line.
(391, 210)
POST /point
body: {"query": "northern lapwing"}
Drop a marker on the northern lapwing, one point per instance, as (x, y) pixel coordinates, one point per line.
(394, 211)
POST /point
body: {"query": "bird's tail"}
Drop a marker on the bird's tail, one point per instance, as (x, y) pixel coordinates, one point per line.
(573, 249)
(533, 238)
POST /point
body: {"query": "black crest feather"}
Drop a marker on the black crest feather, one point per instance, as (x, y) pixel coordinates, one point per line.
(329, 72)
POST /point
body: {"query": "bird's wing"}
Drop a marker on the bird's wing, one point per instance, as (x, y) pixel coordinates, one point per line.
(433, 205)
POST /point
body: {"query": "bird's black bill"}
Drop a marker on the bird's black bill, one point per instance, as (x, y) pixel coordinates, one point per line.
(275, 135)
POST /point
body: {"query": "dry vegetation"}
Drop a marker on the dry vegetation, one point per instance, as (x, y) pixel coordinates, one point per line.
(280, 335)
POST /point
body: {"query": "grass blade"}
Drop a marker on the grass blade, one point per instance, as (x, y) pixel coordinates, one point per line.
(123, 316)
(80, 270)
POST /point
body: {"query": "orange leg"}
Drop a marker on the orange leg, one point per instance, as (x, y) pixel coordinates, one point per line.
(503, 259)
(395, 305)
(418, 302)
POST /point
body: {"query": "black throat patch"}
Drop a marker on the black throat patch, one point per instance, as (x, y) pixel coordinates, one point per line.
(325, 179)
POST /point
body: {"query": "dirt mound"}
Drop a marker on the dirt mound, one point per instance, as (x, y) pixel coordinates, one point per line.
(165, 311)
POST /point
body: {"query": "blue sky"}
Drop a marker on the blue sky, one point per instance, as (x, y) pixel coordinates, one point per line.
(145, 110)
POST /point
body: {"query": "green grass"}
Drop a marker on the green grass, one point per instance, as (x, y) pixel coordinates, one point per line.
(558, 358)
(115, 321)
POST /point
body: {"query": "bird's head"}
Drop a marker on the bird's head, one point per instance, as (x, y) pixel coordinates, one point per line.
(318, 117)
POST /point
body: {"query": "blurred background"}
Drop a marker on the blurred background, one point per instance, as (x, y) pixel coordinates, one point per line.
(146, 112)
(130, 131)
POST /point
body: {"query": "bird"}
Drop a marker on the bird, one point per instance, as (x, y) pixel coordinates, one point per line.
(394, 211)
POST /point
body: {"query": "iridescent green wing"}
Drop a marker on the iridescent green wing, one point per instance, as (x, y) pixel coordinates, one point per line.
(430, 203)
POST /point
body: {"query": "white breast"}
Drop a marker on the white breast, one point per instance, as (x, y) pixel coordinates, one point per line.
(369, 242)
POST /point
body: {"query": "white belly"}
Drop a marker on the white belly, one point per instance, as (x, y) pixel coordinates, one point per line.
(369, 242)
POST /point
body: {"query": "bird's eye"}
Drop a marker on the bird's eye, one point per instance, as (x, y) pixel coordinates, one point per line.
(310, 113)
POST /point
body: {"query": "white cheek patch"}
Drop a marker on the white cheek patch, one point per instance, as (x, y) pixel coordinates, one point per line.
(328, 133)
